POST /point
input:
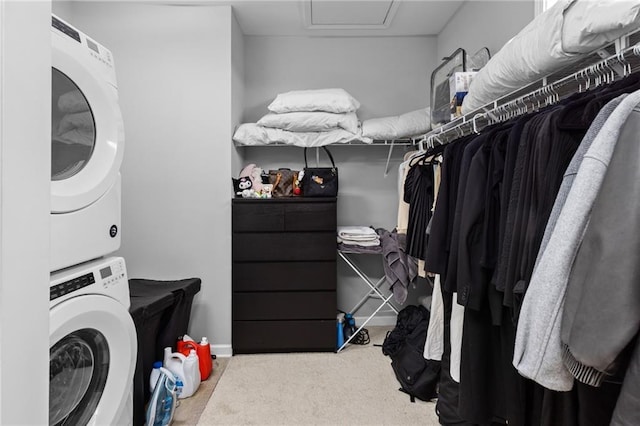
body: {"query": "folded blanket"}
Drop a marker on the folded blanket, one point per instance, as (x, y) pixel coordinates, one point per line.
(363, 243)
(362, 233)
(250, 134)
(315, 121)
(409, 124)
(355, 248)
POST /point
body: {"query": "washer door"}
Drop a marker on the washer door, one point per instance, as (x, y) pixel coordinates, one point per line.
(87, 136)
(92, 355)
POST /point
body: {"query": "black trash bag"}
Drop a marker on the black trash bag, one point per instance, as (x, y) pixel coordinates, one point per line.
(404, 344)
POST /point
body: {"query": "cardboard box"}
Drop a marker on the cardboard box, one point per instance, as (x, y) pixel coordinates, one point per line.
(459, 83)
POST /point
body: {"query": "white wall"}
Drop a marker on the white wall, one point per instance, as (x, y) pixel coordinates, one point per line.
(389, 76)
(25, 173)
(175, 79)
(480, 23)
(237, 87)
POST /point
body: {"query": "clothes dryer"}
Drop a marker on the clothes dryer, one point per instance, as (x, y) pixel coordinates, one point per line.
(92, 345)
(87, 143)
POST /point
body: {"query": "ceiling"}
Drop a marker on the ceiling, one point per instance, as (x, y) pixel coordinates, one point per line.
(339, 18)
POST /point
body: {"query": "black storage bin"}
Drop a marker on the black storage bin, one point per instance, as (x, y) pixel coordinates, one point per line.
(147, 313)
(161, 312)
(175, 321)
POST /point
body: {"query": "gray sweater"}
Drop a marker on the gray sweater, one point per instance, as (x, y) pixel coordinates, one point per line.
(602, 309)
(538, 347)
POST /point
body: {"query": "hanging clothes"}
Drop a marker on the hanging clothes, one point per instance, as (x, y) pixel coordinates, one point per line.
(490, 225)
(537, 352)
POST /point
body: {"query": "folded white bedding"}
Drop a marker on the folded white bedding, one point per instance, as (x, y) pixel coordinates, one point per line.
(312, 121)
(328, 100)
(589, 25)
(561, 35)
(252, 134)
(400, 126)
(362, 233)
(533, 53)
(362, 243)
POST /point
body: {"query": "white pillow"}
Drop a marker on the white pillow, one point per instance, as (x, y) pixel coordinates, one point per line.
(534, 52)
(252, 134)
(590, 24)
(328, 100)
(315, 121)
(400, 126)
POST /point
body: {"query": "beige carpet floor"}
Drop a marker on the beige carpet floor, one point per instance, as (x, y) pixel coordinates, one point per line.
(354, 387)
(189, 409)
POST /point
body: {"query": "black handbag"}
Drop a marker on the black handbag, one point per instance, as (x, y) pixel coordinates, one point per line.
(320, 181)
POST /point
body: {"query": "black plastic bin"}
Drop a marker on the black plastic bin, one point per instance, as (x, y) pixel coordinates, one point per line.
(147, 313)
(161, 311)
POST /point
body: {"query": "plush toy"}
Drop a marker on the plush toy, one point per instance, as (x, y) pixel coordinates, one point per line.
(253, 172)
(242, 184)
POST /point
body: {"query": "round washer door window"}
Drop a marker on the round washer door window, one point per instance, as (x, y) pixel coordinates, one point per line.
(92, 349)
(73, 130)
(78, 369)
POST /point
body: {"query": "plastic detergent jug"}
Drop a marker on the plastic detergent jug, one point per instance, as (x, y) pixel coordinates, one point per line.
(155, 375)
(203, 350)
(185, 368)
(163, 400)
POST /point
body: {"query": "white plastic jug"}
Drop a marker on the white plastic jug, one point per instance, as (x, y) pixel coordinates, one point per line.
(185, 368)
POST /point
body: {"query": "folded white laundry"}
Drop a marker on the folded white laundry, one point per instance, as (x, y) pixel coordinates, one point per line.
(359, 233)
(362, 243)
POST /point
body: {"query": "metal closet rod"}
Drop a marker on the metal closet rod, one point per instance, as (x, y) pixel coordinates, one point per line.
(612, 68)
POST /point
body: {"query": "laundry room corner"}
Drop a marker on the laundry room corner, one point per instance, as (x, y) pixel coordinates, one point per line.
(179, 94)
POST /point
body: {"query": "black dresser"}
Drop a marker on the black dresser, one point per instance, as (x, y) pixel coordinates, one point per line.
(284, 275)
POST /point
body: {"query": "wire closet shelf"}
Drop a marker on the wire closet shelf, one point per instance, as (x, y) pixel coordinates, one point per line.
(610, 63)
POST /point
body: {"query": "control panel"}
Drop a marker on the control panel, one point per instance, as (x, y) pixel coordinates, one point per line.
(70, 286)
(98, 52)
(105, 276)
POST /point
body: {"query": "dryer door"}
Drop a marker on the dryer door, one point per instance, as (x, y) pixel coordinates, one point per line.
(92, 355)
(87, 136)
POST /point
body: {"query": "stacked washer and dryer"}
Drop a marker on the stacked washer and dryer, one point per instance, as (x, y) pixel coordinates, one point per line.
(92, 337)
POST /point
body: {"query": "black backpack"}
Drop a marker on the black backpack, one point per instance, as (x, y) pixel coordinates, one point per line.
(405, 345)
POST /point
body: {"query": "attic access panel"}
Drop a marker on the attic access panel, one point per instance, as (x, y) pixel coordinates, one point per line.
(367, 14)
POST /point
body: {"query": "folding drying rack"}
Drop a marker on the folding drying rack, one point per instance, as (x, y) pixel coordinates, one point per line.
(375, 292)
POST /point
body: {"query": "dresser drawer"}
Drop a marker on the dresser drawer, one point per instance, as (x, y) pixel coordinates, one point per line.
(283, 336)
(283, 276)
(284, 215)
(310, 217)
(257, 217)
(286, 246)
(303, 305)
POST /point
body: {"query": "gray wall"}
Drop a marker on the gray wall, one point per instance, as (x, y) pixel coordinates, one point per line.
(389, 76)
(187, 77)
(480, 23)
(174, 67)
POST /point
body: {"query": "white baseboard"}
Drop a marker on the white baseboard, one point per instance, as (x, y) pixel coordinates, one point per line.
(380, 320)
(222, 351)
(226, 351)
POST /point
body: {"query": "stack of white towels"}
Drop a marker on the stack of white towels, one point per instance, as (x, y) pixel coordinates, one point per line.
(308, 118)
(358, 236)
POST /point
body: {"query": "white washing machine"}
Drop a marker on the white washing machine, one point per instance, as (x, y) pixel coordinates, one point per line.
(92, 345)
(87, 143)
